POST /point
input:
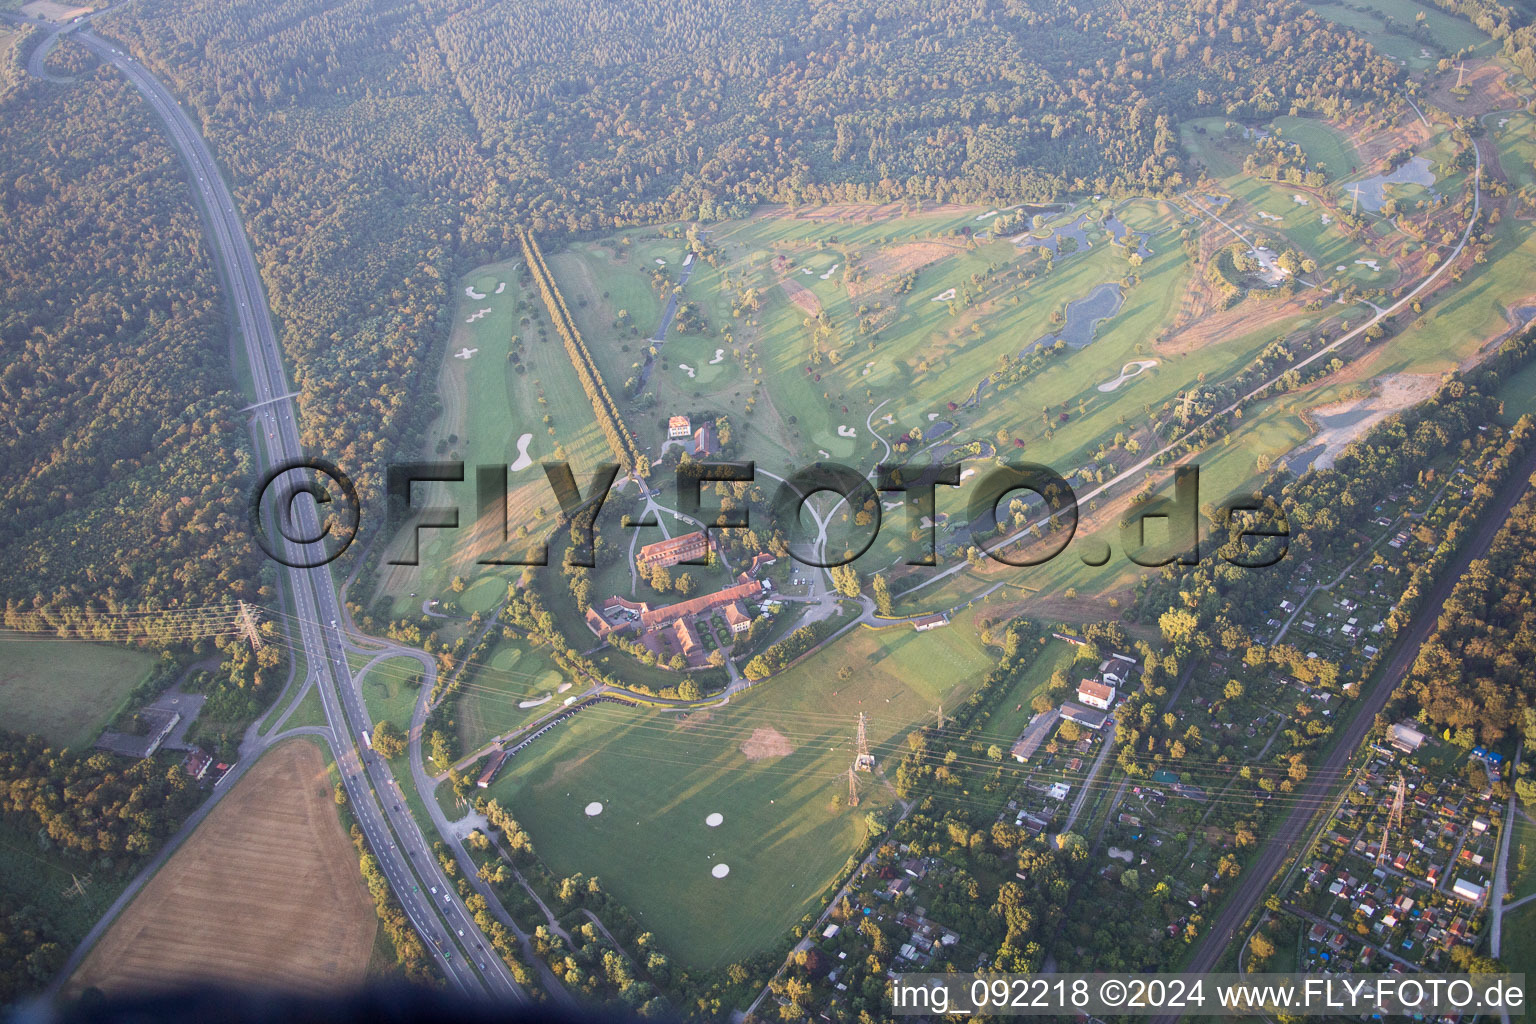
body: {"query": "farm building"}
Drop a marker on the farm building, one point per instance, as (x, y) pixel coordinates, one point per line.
(1039, 728)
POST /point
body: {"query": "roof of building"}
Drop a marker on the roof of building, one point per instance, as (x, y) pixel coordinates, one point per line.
(678, 423)
(667, 614)
(1090, 717)
(674, 549)
(736, 614)
(1034, 734)
(1092, 688)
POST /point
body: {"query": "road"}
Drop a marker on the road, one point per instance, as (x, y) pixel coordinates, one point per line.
(1496, 906)
(403, 851)
(1320, 784)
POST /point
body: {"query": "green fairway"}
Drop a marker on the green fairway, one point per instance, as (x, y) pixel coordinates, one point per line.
(496, 410)
(1323, 144)
(1390, 26)
(773, 763)
(490, 698)
(66, 692)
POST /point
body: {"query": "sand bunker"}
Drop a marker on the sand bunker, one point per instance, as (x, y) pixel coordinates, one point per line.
(1327, 220)
(844, 430)
(1134, 368)
(465, 353)
(889, 419)
(766, 742)
(523, 458)
(720, 870)
(988, 215)
(714, 820)
(501, 287)
(594, 809)
(807, 271)
(470, 291)
(719, 357)
(1300, 200)
(945, 295)
(1268, 216)
(535, 703)
(829, 273)
(660, 262)
(562, 687)
(891, 506)
(687, 369)
(1375, 267)
(932, 416)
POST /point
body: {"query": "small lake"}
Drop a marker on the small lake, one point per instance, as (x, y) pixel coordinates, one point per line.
(1117, 230)
(1373, 189)
(1052, 241)
(1084, 316)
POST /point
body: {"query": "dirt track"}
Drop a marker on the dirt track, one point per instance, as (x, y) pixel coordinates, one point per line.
(265, 893)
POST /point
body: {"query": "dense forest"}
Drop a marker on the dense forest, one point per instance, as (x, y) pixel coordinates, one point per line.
(1473, 675)
(122, 457)
(378, 148)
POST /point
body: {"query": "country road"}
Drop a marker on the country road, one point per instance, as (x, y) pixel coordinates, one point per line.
(1319, 788)
(403, 851)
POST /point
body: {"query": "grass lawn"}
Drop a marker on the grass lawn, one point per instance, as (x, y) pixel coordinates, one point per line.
(1519, 952)
(488, 704)
(1323, 144)
(390, 690)
(491, 404)
(66, 692)
(773, 763)
(309, 712)
(1013, 711)
(1522, 859)
(1519, 394)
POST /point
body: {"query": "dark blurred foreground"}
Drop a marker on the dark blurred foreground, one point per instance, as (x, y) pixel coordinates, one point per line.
(381, 1004)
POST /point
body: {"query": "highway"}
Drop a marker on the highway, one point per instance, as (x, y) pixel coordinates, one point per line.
(403, 851)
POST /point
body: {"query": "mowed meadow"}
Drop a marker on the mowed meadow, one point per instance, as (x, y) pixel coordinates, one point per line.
(773, 763)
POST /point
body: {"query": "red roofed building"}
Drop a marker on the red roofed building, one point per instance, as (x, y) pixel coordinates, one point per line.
(678, 428)
(670, 552)
(687, 637)
(737, 618)
(653, 618)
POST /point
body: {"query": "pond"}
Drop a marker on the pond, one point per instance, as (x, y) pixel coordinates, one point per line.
(1052, 241)
(1372, 190)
